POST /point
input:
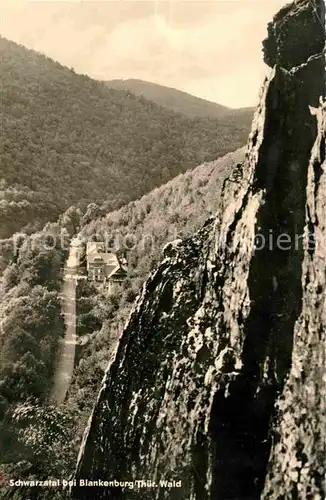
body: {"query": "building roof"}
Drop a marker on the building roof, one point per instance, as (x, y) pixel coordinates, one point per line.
(108, 259)
(118, 272)
(95, 254)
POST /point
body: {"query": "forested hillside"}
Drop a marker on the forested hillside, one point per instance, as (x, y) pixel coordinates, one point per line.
(31, 325)
(142, 229)
(31, 282)
(70, 140)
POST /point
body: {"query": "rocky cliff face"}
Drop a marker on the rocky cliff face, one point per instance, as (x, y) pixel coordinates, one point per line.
(217, 381)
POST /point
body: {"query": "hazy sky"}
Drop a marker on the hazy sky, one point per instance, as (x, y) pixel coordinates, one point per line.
(211, 49)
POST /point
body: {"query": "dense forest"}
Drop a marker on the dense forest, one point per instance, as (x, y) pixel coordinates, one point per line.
(31, 326)
(70, 140)
(31, 317)
(182, 102)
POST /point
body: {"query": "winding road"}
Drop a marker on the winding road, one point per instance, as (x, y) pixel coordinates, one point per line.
(67, 345)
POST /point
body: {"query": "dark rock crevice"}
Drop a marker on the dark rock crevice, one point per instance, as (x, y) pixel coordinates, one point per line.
(276, 293)
(241, 441)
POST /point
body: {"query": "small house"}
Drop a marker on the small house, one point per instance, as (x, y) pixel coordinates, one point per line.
(105, 267)
(116, 279)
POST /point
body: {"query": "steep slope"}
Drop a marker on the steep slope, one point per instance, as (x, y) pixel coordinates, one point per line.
(217, 381)
(178, 207)
(67, 139)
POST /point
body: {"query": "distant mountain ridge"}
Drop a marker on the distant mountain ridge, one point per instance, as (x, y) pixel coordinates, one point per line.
(178, 100)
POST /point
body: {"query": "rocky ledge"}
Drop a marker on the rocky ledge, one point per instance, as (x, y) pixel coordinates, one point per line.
(218, 378)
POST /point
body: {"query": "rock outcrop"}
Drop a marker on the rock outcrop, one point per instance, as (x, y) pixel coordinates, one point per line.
(218, 378)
